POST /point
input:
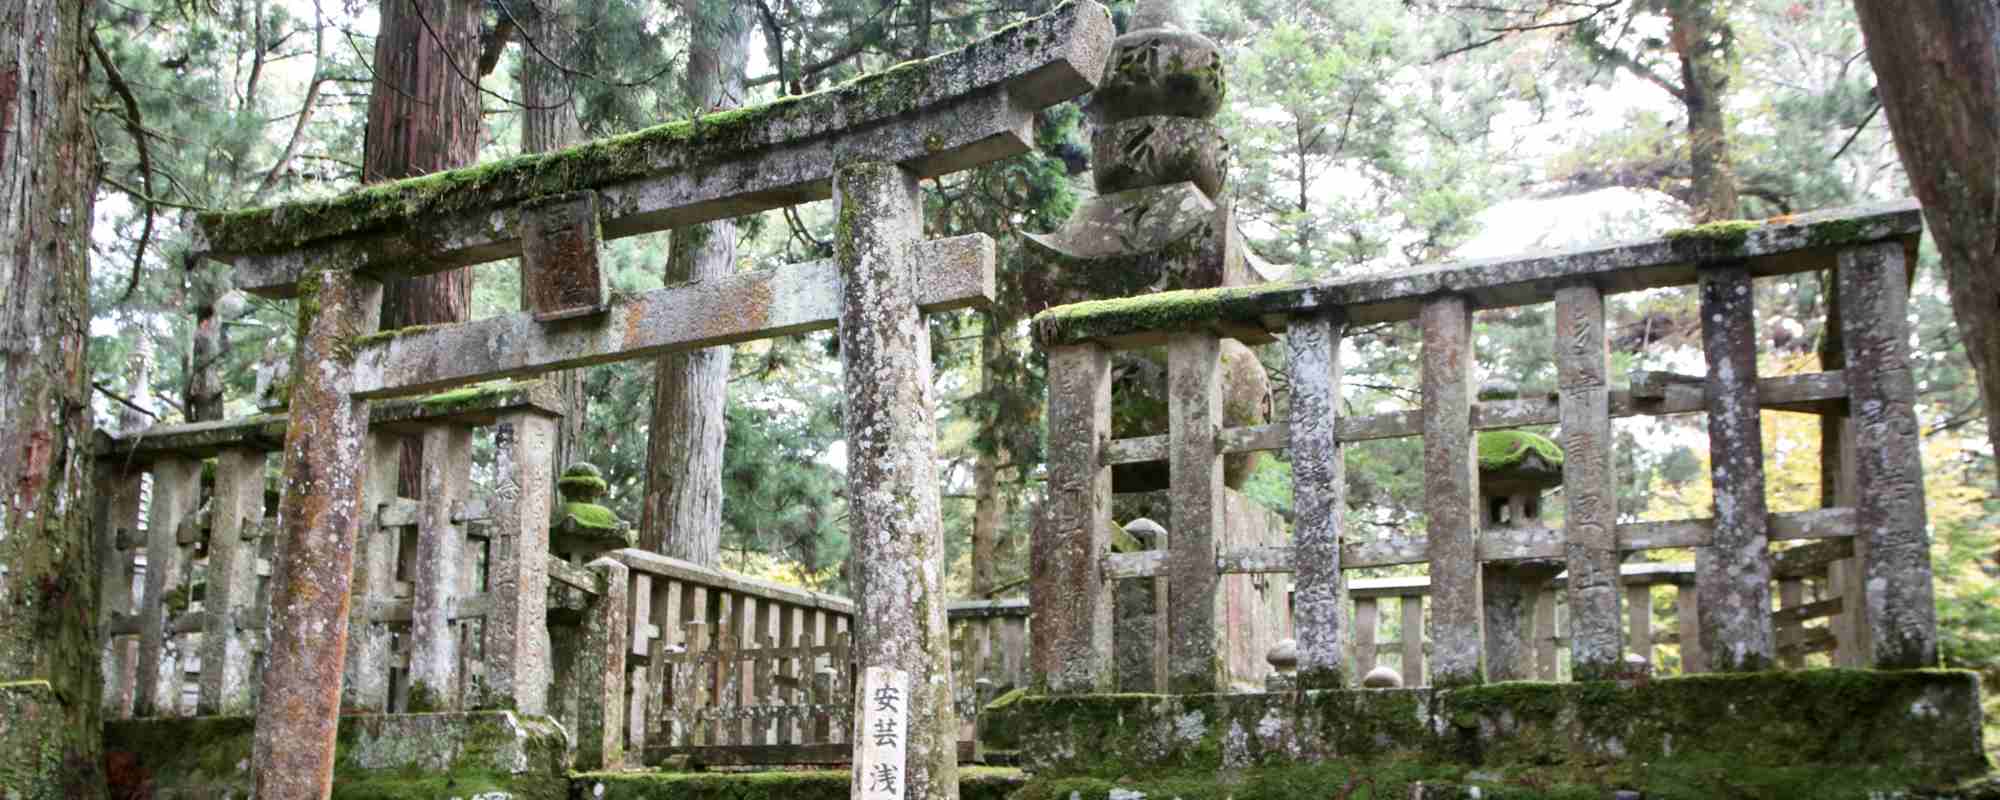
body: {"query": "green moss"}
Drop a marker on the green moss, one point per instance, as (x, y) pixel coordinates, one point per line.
(1161, 311)
(1353, 779)
(1503, 449)
(1124, 542)
(591, 515)
(381, 337)
(1836, 232)
(681, 145)
(974, 782)
(1728, 234)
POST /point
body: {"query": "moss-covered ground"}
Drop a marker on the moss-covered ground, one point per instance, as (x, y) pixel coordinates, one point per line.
(1341, 780)
(974, 783)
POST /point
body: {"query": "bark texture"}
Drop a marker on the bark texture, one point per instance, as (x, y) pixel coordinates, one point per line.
(682, 512)
(48, 581)
(1702, 38)
(423, 116)
(550, 122)
(1937, 72)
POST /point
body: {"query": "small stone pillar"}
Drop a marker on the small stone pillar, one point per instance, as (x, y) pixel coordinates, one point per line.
(598, 671)
(1515, 468)
(516, 653)
(1138, 630)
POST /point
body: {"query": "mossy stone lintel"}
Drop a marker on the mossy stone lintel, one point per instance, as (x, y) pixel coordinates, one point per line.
(660, 149)
(1773, 247)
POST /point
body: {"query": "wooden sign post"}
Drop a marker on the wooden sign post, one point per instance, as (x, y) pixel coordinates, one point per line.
(881, 735)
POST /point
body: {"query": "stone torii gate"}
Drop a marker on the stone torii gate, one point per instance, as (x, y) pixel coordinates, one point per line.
(866, 143)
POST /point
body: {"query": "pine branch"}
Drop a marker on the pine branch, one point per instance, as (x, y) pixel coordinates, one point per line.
(134, 126)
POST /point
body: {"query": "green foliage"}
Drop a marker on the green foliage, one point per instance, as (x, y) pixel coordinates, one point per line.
(1502, 449)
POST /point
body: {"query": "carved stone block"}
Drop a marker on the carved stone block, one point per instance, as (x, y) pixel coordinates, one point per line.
(560, 274)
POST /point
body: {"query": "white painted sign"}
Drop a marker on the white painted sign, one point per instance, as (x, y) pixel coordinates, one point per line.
(882, 734)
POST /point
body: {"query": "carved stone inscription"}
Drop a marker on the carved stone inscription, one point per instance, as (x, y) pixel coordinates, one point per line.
(1590, 525)
(560, 274)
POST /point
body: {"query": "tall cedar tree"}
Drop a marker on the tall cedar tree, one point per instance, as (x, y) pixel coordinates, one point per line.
(423, 116)
(1937, 71)
(48, 574)
(682, 514)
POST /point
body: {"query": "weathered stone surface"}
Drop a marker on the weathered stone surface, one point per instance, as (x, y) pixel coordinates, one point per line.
(1195, 658)
(1923, 721)
(1894, 541)
(1157, 151)
(1451, 485)
(515, 650)
(1733, 572)
(1319, 491)
(1073, 601)
(1136, 242)
(600, 670)
(560, 274)
(440, 557)
(1590, 529)
(737, 308)
(237, 511)
(890, 417)
(1141, 625)
(477, 405)
(31, 726)
(1161, 70)
(1798, 244)
(176, 489)
(1382, 678)
(321, 515)
(950, 112)
(365, 684)
(477, 754)
(116, 517)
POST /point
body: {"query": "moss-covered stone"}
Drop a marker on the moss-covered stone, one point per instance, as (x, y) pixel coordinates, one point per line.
(1182, 310)
(1726, 233)
(1503, 449)
(680, 145)
(378, 757)
(591, 516)
(1747, 735)
(974, 783)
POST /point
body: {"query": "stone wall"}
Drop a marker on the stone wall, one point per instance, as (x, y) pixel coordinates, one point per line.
(1820, 733)
(486, 754)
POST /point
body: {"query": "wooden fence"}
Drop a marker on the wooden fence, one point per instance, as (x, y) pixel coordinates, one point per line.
(1874, 538)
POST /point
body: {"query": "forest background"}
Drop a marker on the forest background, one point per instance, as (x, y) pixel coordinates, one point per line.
(1367, 136)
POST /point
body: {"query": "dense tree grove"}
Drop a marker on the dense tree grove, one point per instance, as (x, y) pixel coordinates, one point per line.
(1367, 136)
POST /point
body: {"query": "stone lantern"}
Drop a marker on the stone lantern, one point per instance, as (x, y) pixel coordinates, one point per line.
(1515, 469)
(584, 529)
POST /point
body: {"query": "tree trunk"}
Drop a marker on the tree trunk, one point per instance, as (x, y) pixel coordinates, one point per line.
(682, 514)
(50, 732)
(208, 282)
(1702, 39)
(550, 123)
(988, 510)
(423, 116)
(1937, 72)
